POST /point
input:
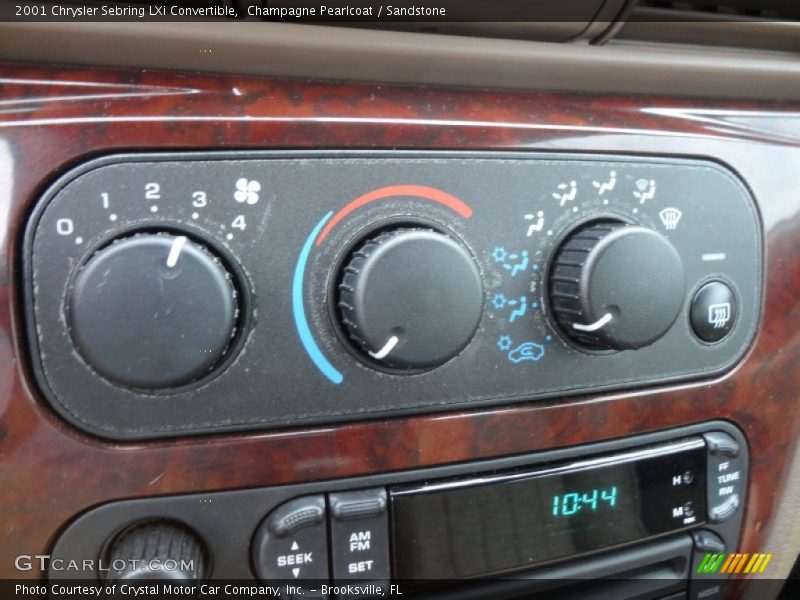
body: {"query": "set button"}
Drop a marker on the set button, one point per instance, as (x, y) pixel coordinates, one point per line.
(359, 536)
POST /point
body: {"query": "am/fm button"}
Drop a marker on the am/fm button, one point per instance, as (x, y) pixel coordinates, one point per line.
(360, 536)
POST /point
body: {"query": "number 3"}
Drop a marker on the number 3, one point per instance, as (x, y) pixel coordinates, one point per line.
(200, 199)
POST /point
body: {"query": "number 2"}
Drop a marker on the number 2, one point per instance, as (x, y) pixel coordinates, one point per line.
(152, 191)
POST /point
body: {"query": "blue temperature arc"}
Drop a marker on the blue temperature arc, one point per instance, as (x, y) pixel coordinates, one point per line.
(298, 308)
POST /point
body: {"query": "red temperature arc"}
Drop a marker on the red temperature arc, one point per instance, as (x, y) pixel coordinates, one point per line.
(421, 191)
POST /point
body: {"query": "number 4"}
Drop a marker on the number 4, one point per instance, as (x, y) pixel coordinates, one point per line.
(586, 499)
(238, 223)
(611, 497)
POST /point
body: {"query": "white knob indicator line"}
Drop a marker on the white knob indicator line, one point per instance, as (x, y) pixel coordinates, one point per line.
(387, 347)
(594, 326)
(175, 251)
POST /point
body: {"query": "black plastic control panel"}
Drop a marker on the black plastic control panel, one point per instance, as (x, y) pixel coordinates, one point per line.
(437, 527)
(196, 293)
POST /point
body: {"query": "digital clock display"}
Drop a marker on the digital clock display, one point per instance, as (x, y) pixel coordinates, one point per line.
(512, 521)
(569, 503)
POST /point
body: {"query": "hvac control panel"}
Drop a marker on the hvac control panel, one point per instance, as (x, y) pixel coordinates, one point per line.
(196, 293)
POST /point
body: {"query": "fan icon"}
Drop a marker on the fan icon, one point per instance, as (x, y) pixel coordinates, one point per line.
(247, 191)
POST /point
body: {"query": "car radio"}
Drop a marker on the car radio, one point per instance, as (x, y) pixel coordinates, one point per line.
(653, 504)
(523, 519)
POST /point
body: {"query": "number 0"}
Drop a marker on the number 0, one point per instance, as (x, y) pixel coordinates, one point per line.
(65, 226)
(570, 504)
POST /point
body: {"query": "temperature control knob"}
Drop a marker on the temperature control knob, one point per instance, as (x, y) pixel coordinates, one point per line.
(153, 311)
(616, 286)
(411, 298)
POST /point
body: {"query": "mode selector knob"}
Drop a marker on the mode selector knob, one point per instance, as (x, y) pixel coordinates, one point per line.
(410, 298)
(616, 286)
(153, 311)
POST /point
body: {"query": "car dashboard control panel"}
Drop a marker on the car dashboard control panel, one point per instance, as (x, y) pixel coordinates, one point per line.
(639, 511)
(173, 294)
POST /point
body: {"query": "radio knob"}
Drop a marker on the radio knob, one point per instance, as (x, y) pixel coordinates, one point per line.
(411, 298)
(616, 286)
(156, 550)
(153, 311)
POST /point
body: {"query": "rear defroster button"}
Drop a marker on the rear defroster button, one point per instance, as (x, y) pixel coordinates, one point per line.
(714, 311)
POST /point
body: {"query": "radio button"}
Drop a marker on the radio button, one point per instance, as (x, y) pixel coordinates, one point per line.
(707, 542)
(719, 443)
(710, 584)
(291, 543)
(360, 536)
(726, 476)
(717, 514)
